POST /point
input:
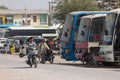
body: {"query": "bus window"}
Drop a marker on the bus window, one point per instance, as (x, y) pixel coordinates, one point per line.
(77, 25)
(83, 30)
(96, 28)
(78, 21)
(108, 29)
(67, 27)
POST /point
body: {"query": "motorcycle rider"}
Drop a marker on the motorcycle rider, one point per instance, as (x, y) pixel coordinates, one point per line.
(30, 47)
(42, 47)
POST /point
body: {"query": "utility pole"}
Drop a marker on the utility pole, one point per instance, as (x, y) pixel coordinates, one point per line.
(25, 15)
(49, 19)
(51, 11)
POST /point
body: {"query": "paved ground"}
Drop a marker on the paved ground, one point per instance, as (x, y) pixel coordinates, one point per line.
(14, 68)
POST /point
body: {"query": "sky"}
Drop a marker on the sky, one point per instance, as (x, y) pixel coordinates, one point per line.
(30, 4)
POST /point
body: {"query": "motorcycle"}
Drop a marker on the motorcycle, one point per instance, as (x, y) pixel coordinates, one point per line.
(33, 57)
(48, 56)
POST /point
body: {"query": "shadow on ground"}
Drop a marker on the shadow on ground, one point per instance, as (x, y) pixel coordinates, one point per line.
(88, 66)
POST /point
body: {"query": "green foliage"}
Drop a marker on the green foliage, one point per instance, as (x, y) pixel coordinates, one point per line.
(3, 7)
(65, 6)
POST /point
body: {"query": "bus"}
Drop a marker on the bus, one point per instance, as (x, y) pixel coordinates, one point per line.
(110, 39)
(89, 33)
(69, 33)
(29, 31)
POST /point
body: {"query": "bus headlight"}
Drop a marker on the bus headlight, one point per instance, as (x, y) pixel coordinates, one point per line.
(67, 50)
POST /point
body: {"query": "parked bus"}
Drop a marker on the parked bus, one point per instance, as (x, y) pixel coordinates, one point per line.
(110, 40)
(29, 31)
(69, 33)
(89, 33)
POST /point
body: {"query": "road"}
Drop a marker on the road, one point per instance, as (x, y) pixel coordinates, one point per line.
(14, 68)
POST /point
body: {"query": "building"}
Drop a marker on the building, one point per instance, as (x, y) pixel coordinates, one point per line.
(24, 17)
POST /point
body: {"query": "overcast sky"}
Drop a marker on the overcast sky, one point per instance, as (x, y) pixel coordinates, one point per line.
(30, 4)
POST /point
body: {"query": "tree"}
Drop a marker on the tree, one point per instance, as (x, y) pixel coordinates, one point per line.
(3, 7)
(63, 7)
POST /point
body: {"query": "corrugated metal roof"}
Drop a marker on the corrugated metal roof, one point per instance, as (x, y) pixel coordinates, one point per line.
(23, 11)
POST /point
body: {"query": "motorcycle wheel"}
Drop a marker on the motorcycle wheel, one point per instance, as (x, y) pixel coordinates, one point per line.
(35, 62)
(52, 59)
(30, 63)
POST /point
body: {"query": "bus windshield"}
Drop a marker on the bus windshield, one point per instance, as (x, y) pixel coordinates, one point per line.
(67, 28)
(108, 29)
(96, 28)
(83, 30)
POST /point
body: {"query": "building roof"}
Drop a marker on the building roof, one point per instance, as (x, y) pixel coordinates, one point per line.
(23, 11)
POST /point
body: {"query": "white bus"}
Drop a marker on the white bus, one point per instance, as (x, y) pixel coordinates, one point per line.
(88, 36)
(110, 40)
(29, 31)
